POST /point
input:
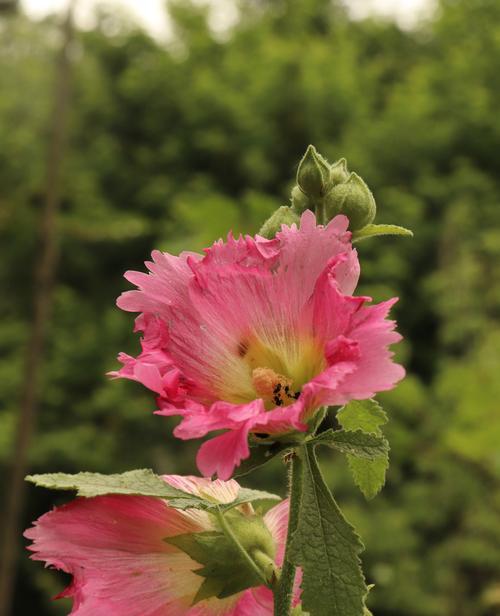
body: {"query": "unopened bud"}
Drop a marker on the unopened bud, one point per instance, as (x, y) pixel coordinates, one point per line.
(284, 215)
(313, 173)
(339, 172)
(300, 201)
(354, 199)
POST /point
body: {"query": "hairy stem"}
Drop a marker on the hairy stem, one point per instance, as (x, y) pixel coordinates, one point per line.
(283, 593)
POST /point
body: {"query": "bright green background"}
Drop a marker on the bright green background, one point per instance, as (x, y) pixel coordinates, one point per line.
(170, 147)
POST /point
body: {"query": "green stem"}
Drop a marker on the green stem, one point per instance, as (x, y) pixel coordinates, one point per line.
(320, 211)
(228, 531)
(284, 591)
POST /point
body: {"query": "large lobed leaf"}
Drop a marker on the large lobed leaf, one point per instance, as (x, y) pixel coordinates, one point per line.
(141, 482)
(327, 548)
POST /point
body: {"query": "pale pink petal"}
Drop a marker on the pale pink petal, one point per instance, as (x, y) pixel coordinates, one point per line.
(114, 548)
(222, 491)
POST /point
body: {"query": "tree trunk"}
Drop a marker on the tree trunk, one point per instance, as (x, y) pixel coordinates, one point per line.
(45, 268)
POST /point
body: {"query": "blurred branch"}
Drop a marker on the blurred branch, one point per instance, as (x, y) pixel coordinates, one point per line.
(42, 299)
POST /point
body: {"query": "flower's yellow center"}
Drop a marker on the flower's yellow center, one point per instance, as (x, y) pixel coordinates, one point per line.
(273, 387)
(273, 366)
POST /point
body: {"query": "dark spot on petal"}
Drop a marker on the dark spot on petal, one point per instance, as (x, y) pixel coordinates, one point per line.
(277, 388)
(278, 401)
(261, 435)
(242, 348)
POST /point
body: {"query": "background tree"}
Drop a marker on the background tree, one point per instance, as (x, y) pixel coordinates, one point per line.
(171, 146)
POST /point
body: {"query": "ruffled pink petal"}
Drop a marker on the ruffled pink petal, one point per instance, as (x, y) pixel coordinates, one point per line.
(376, 370)
(245, 251)
(290, 295)
(166, 284)
(304, 254)
(333, 311)
(219, 416)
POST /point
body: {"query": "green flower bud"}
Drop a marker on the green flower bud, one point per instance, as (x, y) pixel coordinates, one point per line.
(300, 201)
(313, 173)
(339, 172)
(284, 215)
(254, 536)
(354, 199)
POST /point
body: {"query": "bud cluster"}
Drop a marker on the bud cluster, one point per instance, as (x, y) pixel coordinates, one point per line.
(328, 190)
(331, 189)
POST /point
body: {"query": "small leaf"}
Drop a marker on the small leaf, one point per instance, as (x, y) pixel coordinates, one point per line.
(365, 415)
(141, 482)
(372, 230)
(369, 475)
(326, 546)
(358, 443)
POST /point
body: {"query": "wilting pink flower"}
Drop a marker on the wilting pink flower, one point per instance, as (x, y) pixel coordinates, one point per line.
(114, 548)
(256, 335)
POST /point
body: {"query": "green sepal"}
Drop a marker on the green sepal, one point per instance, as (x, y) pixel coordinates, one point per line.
(313, 173)
(284, 215)
(142, 482)
(223, 567)
(224, 571)
(373, 230)
(368, 416)
(356, 443)
(210, 587)
(327, 548)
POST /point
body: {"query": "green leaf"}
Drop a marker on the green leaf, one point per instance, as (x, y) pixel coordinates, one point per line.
(358, 443)
(326, 546)
(365, 415)
(246, 495)
(369, 475)
(368, 416)
(141, 482)
(372, 230)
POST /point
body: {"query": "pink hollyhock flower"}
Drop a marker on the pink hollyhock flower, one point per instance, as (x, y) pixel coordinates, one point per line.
(114, 548)
(257, 335)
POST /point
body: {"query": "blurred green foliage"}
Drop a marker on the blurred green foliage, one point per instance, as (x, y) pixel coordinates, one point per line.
(172, 145)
